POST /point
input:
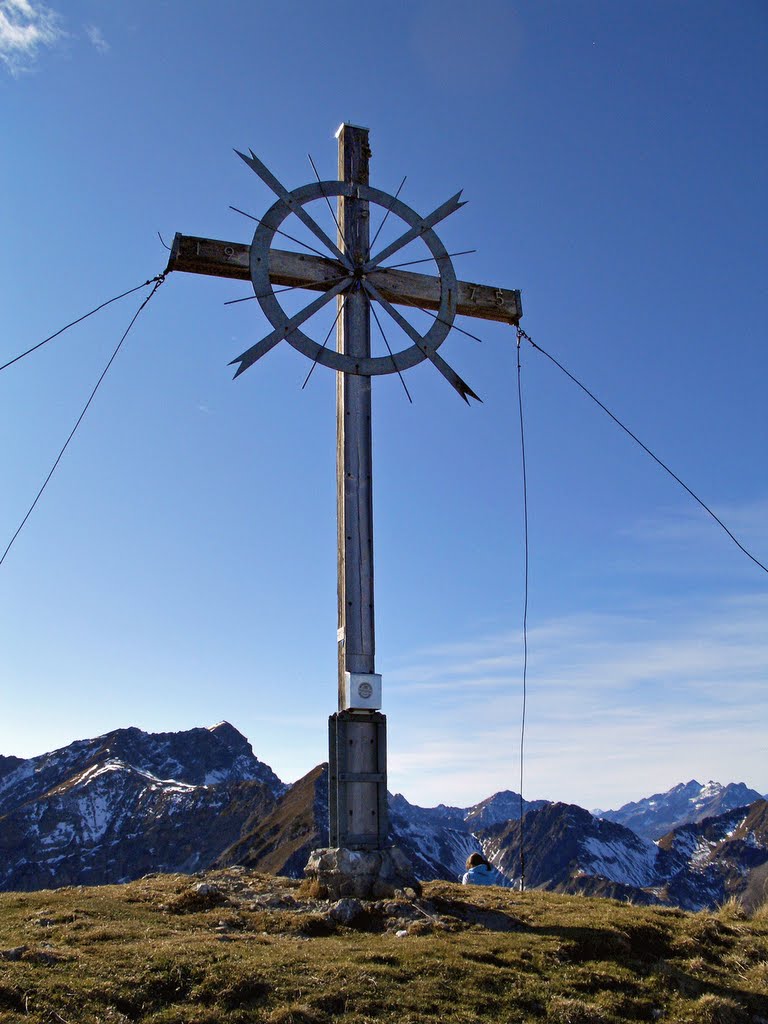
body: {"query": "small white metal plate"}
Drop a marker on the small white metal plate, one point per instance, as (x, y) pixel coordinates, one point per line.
(362, 691)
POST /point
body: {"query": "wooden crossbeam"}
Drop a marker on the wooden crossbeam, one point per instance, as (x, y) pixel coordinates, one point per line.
(231, 259)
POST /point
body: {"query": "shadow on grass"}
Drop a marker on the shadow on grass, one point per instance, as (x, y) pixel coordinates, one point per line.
(469, 913)
(647, 949)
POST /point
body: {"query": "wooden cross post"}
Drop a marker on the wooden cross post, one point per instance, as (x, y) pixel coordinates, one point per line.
(357, 780)
(357, 731)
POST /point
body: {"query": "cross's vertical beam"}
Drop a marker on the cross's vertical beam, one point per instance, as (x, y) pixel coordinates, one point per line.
(357, 756)
(353, 428)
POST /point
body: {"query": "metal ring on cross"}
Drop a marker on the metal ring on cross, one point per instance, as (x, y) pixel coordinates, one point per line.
(364, 366)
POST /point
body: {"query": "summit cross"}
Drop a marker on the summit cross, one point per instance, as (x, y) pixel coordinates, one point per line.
(356, 278)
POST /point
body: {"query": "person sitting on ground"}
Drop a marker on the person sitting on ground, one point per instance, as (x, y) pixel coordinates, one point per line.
(479, 871)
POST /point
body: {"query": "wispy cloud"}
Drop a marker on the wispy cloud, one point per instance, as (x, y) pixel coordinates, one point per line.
(618, 706)
(25, 27)
(97, 39)
(689, 530)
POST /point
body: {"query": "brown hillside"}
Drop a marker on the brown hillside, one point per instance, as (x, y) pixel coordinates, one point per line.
(282, 841)
(236, 947)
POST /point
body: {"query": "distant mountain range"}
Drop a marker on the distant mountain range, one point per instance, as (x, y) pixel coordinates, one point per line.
(685, 803)
(128, 803)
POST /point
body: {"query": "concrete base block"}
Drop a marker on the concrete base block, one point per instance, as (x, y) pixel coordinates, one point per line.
(337, 873)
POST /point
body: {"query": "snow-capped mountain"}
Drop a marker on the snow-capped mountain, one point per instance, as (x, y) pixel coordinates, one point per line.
(121, 805)
(687, 802)
(700, 864)
(436, 839)
(501, 807)
(566, 849)
(439, 839)
(115, 807)
(562, 842)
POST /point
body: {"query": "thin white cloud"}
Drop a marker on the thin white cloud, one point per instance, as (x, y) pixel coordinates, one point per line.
(25, 27)
(689, 532)
(618, 706)
(97, 39)
(615, 651)
(748, 520)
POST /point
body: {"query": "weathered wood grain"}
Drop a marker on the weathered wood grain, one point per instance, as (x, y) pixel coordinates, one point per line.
(361, 826)
(210, 256)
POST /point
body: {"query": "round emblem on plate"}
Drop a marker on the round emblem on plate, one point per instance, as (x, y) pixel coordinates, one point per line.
(365, 690)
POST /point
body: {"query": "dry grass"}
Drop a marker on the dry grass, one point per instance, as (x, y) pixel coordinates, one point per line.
(732, 909)
(259, 952)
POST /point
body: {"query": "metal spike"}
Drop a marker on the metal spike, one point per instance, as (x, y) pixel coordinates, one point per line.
(249, 357)
(448, 207)
(297, 209)
(437, 361)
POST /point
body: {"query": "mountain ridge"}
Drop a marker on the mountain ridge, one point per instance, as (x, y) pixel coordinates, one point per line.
(654, 816)
(114, 807)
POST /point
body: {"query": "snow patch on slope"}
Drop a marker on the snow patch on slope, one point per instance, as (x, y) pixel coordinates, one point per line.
(619, 861)
(116, 765)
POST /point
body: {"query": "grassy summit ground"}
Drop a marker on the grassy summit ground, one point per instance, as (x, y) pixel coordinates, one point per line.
(237, 947)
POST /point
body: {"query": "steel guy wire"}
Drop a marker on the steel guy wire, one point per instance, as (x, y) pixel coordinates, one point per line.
(325, 343)
(80, 320)
(285, 234)
(158, 281)
(389, 349)
(525, 611)
(288, 288)
(389, 210)
(646, 449)
(325, 197)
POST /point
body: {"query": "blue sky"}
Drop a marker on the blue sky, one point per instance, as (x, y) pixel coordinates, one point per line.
(180, 568)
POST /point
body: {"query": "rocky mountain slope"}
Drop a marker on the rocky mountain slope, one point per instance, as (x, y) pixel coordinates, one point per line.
(439, 839)
(703, 863)
(566, 849)
(281, 842)
(112, 808)
(696, 866)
